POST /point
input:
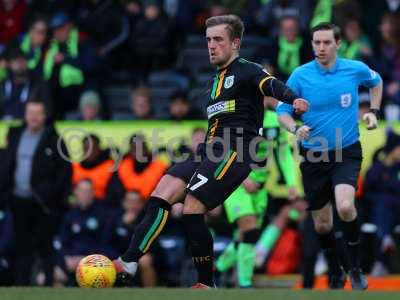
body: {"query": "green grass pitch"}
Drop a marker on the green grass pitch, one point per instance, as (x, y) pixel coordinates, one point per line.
(186, 294)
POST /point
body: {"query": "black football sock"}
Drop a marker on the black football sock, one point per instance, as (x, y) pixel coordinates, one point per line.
(328, 246)
(351, 232)
(148, 229)
(201, 247)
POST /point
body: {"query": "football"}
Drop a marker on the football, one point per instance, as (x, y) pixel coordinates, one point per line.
(95, 271)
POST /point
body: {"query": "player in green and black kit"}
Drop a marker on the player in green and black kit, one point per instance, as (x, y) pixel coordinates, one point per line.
(235, 113)
(247, 204)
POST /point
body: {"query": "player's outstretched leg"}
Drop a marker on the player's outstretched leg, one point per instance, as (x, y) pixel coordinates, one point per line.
(200, 241)
(167, 192)
(146, 232)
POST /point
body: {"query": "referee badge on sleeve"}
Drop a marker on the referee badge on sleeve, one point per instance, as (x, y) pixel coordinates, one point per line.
(345, 100)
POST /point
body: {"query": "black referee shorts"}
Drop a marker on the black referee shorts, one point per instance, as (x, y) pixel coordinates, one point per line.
(215, 177)
(320, 178)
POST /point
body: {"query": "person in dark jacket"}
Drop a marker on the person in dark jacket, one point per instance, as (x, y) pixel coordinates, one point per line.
(84, 228)
(18, 86)
(151, 39)
(35, 178)
(6, 247)
(382, 191)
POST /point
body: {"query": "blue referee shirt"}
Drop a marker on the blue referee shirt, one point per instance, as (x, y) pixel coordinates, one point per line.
(333, 98)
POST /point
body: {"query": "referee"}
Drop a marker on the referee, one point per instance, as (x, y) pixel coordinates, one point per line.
(330, 143)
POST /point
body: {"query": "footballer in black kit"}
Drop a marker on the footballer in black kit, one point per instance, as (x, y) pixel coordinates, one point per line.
(235, 114)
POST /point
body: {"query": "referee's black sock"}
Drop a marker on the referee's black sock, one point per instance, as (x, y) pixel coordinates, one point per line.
(201, 247)
(148, 229)
(351, 232)
(328, 246)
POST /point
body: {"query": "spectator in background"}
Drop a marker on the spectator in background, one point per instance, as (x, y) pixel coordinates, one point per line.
(33, 44)
(289, 50)
(185, 151)
(141, 106)
(387, 61)
(337, 11)
(138, 170)
(151, 40)
(141, 103)
(140, 98)
(122, 229)
(180, 108)
(355, 44)
(89, 107)
(198, 137)
(7, 247)
(18, 86)
(12, 17)
(97, 165)
(181, 15)
(85, 228)
(272, 11)
(104, 21)
(382, 191)
(35, 180)
(132, 12)
(69, 64)
(373, 12)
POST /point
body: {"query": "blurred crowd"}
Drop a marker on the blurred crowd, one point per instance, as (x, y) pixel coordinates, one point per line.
(145, 60)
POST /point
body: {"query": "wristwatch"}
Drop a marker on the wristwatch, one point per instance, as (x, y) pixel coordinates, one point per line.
(296, 127)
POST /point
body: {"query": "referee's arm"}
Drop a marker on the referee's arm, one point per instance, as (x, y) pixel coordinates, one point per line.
(371, 117)
(376, 96)
(285, 117)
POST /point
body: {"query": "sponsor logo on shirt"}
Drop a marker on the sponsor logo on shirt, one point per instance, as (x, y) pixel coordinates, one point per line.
(221, 107)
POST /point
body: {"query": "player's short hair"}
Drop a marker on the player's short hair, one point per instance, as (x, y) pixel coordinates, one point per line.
(327, 26)
(234, 25)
